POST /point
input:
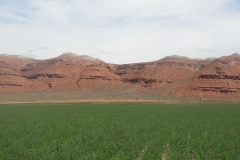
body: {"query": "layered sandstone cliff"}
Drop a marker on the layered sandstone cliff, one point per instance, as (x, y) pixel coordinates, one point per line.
(172, 75)
(218, 80)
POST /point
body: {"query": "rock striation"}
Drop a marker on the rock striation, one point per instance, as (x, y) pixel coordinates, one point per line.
(173, 75)
(218, 80)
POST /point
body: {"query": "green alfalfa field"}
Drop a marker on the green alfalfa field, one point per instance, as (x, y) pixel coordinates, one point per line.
(120, 131)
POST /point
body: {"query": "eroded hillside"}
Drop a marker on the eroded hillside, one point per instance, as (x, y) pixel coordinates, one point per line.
(175, 75)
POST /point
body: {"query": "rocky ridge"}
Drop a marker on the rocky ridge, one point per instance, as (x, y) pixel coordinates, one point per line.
(218, 80)
(183, 77)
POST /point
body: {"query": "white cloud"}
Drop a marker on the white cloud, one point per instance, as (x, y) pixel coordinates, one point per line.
(132, 31)
(208, 49)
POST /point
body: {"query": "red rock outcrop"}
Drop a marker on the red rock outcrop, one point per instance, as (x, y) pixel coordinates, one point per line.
(161, 72)
(11, 79)
(173, 75)
(70, 72)
(219, 80)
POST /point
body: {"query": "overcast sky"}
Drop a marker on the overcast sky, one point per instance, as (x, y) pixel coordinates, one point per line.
(123, 31)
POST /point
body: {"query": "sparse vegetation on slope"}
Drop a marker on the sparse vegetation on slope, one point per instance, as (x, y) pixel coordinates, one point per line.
(171, 76)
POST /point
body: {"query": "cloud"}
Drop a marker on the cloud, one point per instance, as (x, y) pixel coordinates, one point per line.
(205, 48)
(15, 12)
(108, 53)
(208, 48)
(34, 53)
(43, 48)
(31, 54)
(120, 31)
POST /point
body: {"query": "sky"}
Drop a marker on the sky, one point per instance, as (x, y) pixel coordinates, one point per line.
(126, 31)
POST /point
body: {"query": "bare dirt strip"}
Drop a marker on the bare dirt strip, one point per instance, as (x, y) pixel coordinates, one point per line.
(99, 101)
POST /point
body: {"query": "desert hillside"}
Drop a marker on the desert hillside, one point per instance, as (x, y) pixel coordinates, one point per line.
(173, 75)
(218, 80)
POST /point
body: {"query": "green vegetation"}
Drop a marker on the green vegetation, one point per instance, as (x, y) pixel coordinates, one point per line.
(119, 131)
